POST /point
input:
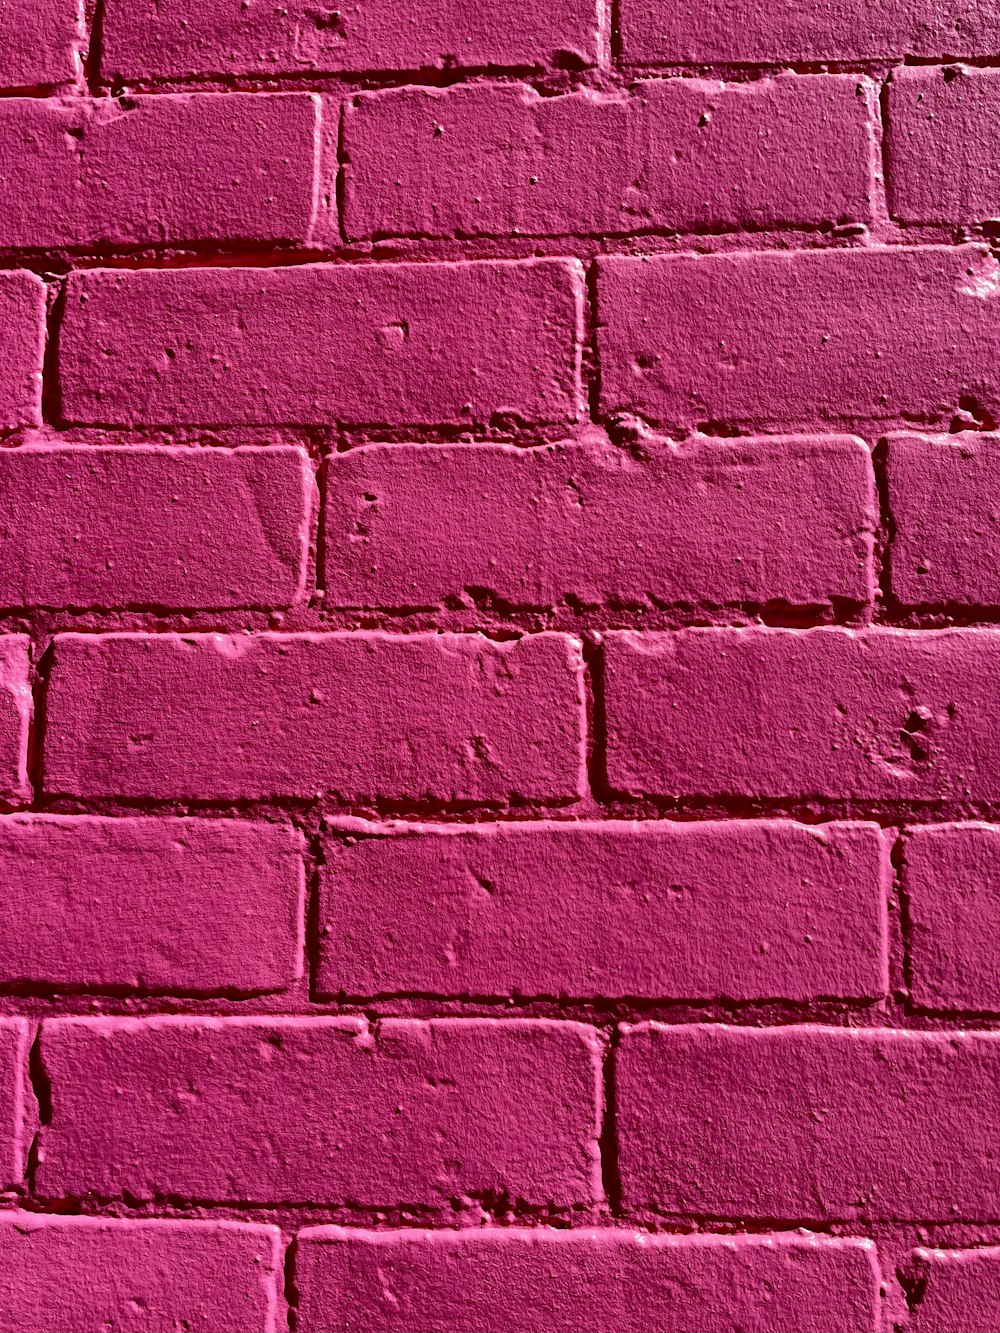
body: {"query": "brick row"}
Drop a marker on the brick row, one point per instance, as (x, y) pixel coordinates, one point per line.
(224, 1277)
(735, 910)
(828, 714)
(789, 340)
(581, 524)
(805, 1124)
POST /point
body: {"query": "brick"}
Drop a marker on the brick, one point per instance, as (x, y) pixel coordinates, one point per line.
(808, 1123)
(22, 341)
(88, 1272)
(944, 497)
(186, 527)
(15, 717)
(941, 144)
(677, 153)
(145, 171)
(39, 41)
(541, 1280)
(150, 39)
(181, 905)
(736, 910)
(323, 1110)
(386, 344)
(824, 714)
(951, 879)
(776, 31)
(18, 1108)
(445, 718)
(706, 522)
(956, 1291)
(799, 338)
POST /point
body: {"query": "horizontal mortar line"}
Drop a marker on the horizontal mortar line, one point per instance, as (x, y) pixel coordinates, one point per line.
(550, 80)
(177, 258)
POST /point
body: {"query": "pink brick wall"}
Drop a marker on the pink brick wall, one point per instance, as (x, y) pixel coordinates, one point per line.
(500, 666)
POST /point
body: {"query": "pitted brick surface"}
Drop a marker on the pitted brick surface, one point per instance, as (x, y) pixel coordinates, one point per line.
(499, 666)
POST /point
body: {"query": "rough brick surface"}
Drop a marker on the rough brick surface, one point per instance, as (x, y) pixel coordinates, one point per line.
(22, 340)
(546, 1281)
(39, 43)
(678, 153)
(942, 143)
(499, 665)
(807, 1123)
(182, 905)
(952, 885)
(152, 170)
(801, 339)
(944, 498)
(956, 1291)
(229, 716)
(323, 343)
(712, 521)
(149, 39)
(742, 910)
(323, 1110)
(15, 717)
(778, 31)
(153, 526)
(831, 714)
(82, 1273)
(18, 1109)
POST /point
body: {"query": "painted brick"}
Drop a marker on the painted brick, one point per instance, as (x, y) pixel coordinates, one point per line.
(736, 910)
(323, 1110)
(183, 905)
(18, 1109)
(15, 717)
(88, 1272)
(799, 338)
(142, 171)
(153, 526)
(445, 718)
(944, 496)
(708, 521)
(150, 39)
(808, 1123)
(824, 714)
(39, 40)
(942, 143)
(547, 1281)
(387, 344)
(678, 153)
(952, 885)
(777, 31)
(958, 1291)
(22, 340)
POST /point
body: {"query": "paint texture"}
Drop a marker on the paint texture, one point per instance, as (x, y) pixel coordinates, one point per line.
(499, 666)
